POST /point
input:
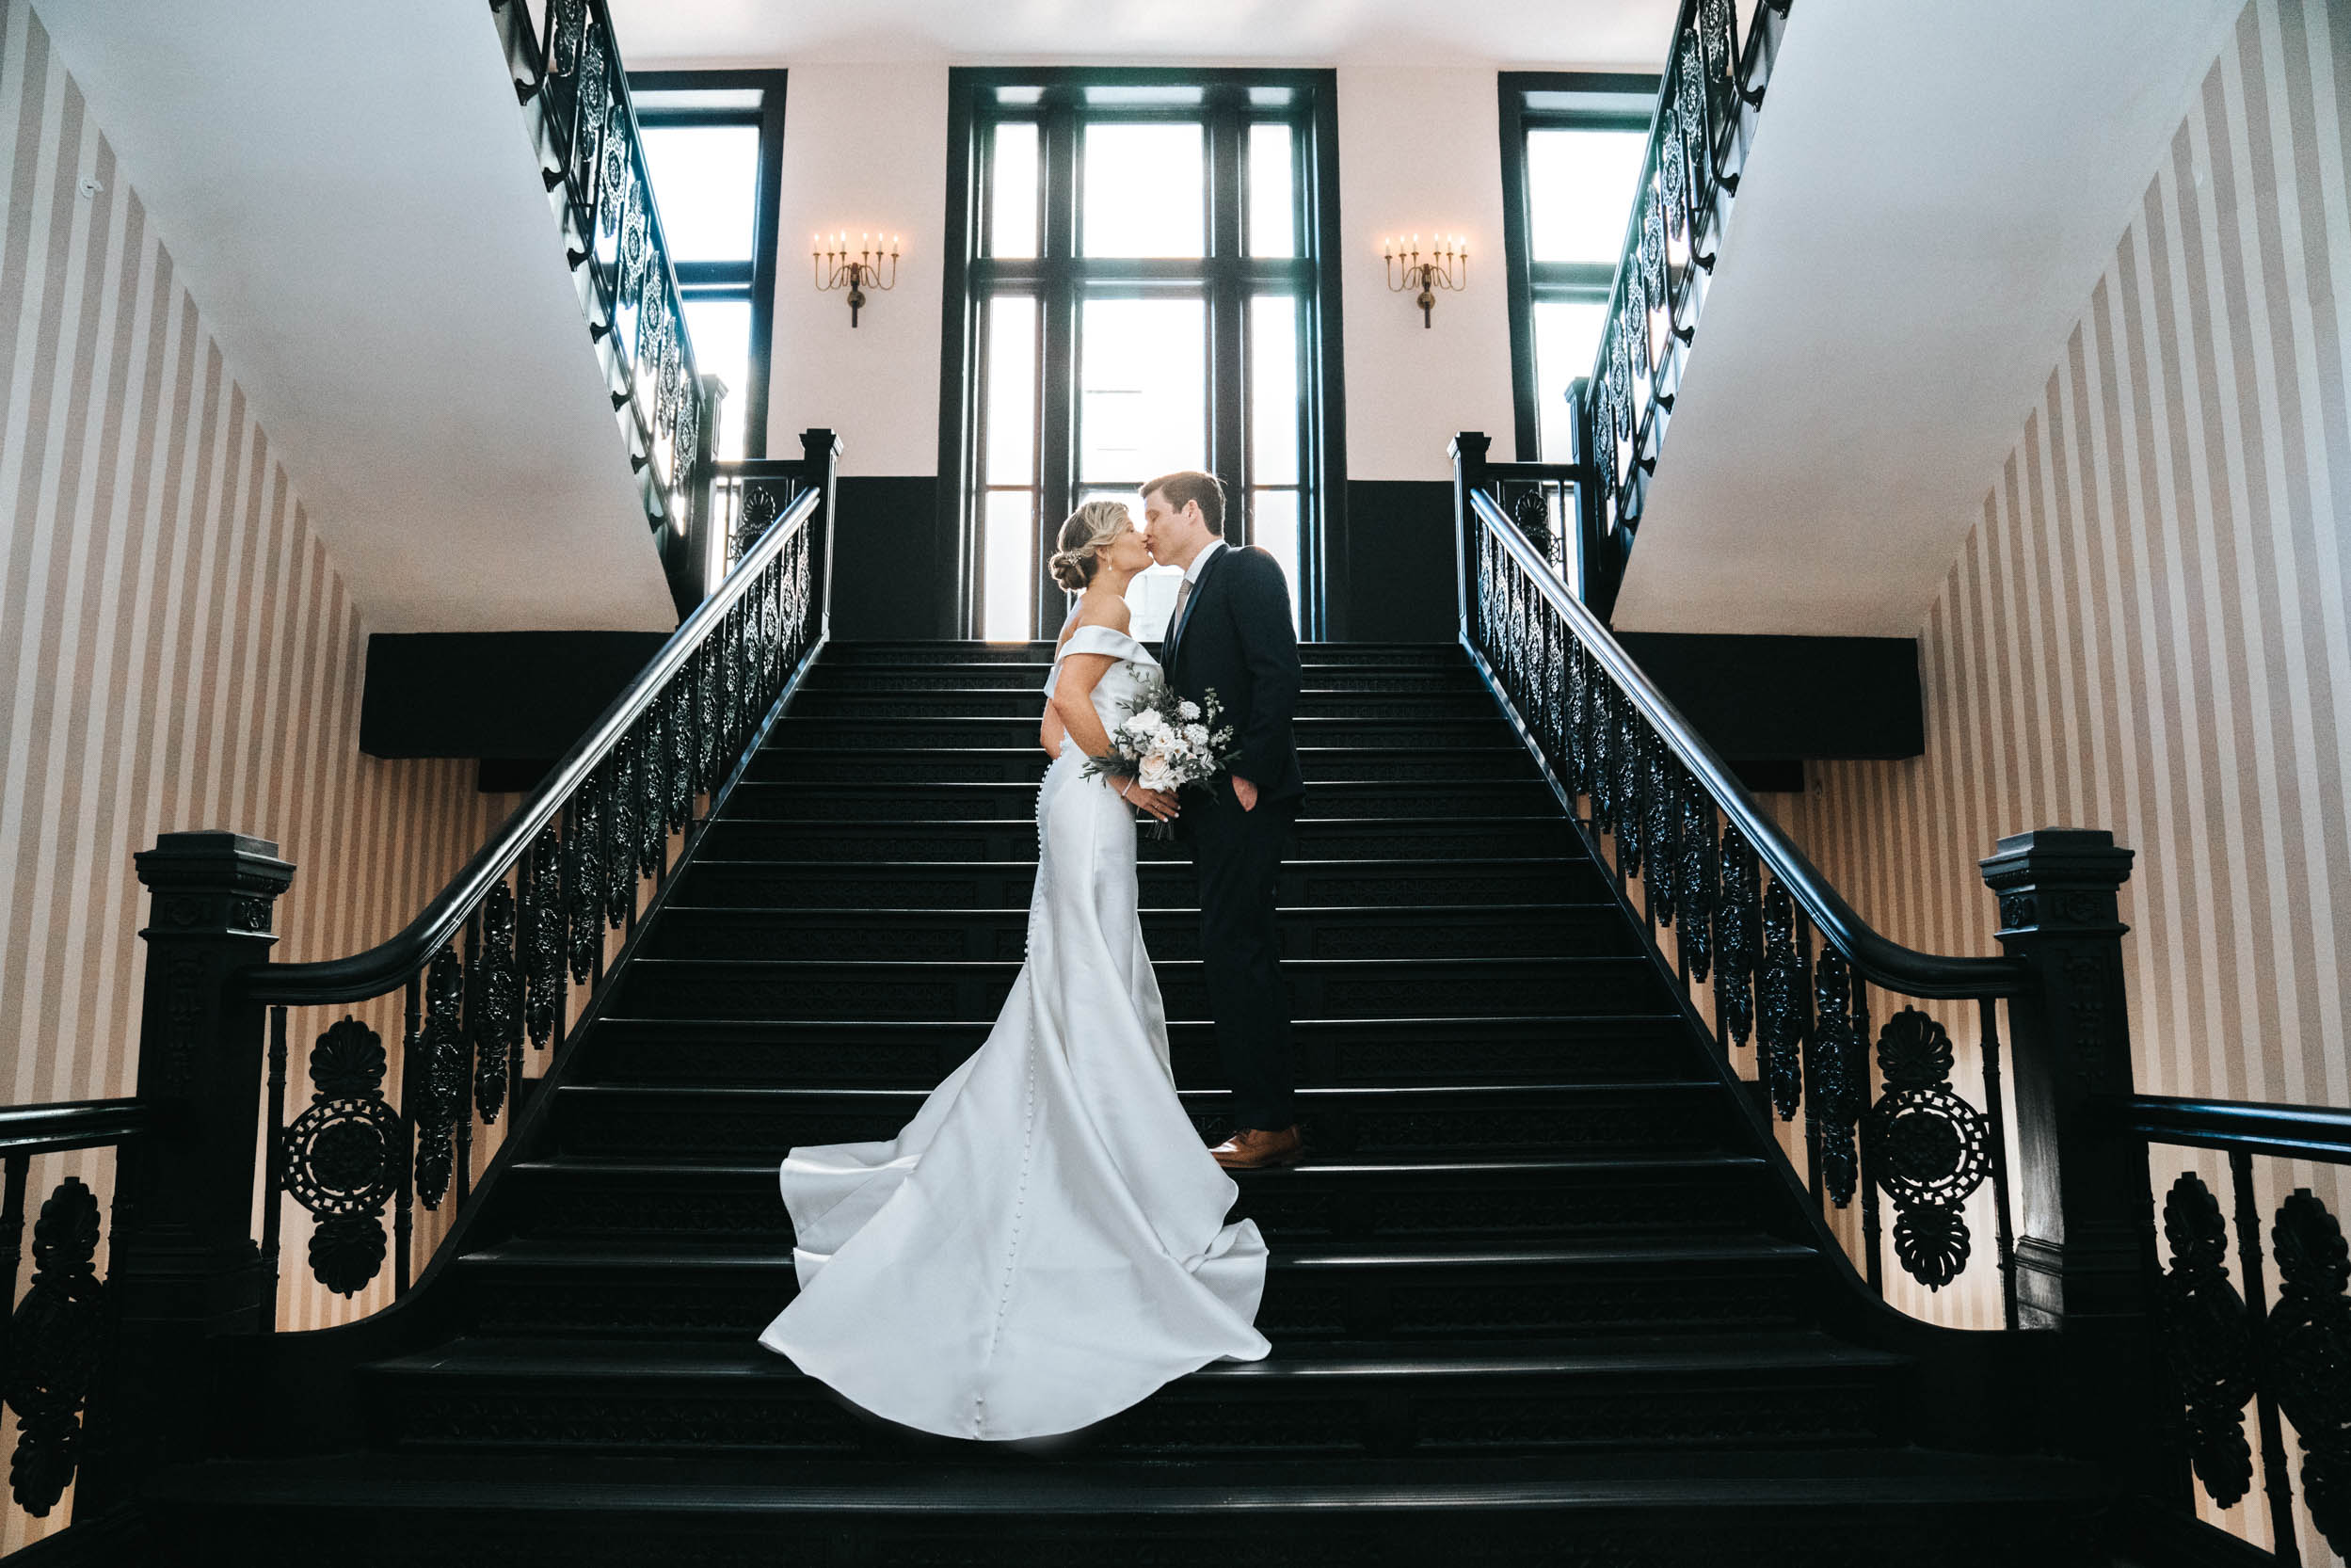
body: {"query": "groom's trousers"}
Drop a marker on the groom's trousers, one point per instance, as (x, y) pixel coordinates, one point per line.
(1239, 857)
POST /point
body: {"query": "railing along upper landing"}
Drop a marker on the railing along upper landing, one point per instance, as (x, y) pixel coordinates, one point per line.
(1709, 101)
(567, 73)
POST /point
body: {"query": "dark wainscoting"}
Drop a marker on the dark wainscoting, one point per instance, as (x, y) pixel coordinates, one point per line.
(889, 581)
(1782, 698)
(1399, 570)
(515, 699)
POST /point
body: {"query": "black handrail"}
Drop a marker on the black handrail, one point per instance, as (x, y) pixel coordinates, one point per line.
(1877, 957)
(29, 1130)
(2319, 1132)
(393, 961)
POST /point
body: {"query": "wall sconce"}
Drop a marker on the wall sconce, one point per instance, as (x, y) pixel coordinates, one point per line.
(1448, 267)
(839, 267)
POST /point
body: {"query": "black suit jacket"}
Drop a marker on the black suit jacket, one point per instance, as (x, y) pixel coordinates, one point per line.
(1237, 638)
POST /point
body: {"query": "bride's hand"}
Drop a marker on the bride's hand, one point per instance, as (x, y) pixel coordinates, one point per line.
(1158, 803)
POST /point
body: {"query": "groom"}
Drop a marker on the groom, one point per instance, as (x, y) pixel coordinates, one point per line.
(1231, 633)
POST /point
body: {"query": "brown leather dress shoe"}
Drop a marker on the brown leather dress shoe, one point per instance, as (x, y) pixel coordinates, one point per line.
(1253, 1148)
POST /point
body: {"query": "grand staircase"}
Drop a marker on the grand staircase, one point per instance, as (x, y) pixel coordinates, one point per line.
(1542, 1295)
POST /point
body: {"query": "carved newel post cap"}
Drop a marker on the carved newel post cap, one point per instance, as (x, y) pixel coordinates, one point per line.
(1474, 444)
(2058, 879)
(212, 883)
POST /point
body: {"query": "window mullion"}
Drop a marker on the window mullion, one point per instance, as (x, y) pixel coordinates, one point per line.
(1226, 286)
(1057, 360)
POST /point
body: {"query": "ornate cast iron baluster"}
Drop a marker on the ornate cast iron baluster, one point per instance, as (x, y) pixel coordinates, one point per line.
(1925, 1146)
(343, 1155)
(442, 1047)
(2308, 1346)
(1628, 751)
(583, 880)
(1698, 853)
(1833, 1064)
(56, 1336)
(677, 807)
(1737, 938)
(1779, 1005)
(497, 1015)
(621, 801)
(1664, 820)
(545, 927)
(2207, 1339)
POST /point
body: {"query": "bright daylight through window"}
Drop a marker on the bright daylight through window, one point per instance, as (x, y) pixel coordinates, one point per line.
(1142, 282)
(1572, 158)
(712, 140)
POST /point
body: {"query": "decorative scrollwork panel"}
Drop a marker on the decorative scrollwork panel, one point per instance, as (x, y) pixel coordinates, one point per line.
(2310, 1357)
(440, 1096)
(345, 1155)
(55, 1341)
(1926, 1148)
(2207, 1339)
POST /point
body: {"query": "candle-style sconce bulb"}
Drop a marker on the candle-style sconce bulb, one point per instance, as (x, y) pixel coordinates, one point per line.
(1447, 268)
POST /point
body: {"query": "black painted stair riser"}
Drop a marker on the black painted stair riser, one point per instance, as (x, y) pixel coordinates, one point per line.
(1369, 1052)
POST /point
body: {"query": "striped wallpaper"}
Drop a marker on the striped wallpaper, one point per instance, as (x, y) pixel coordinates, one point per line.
(2146, 629)
(177, 649)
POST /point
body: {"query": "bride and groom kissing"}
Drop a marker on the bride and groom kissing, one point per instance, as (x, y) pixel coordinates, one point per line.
(1044, 1244)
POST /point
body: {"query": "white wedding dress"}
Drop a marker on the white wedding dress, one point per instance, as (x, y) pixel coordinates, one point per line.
(1043, 1243)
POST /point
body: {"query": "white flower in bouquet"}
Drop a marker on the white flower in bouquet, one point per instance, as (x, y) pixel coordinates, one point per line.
(1162, 755)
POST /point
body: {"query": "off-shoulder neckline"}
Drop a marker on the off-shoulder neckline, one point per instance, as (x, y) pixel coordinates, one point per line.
(1062, 650)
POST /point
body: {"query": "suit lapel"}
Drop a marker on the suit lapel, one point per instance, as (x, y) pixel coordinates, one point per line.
(1182, 628)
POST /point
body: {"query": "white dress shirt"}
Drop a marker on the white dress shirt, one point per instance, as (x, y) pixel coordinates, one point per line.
(1192, 579)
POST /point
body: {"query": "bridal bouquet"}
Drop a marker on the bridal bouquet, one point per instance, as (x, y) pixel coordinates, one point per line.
(1166, 742)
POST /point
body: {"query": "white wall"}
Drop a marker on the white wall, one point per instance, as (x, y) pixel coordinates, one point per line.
(1420, 149)
(865, 146)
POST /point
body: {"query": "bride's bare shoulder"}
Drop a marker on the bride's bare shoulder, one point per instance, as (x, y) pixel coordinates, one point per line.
(1101, 610)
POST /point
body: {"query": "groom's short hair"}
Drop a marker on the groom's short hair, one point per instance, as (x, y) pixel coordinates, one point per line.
(1192, 485)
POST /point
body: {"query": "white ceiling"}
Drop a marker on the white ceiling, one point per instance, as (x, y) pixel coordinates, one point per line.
(1932, 194)
(357, 213)
(1625, 35)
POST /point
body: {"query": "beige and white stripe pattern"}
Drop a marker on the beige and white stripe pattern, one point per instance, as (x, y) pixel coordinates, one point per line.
(2146, 630)
(177, 649)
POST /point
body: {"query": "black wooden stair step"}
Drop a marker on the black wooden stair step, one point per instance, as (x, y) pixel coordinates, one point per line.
(1794, 1388)
(998, 839)
(1029, 676)
(1680, 1508)
(1442, 1294)
(1318, 987)
(1598, 1047)
(1163, 884)
(1015, 800)
(870, 760)
(1027, 702)
(1434, 1196)
(1311, 656)
(764, 1122)
(1460, 727)
(1459, 931)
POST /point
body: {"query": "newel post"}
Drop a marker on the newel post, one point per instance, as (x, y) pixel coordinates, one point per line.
(1468, 451)
(821, 449)
(2082, 1182)
(185, 1270)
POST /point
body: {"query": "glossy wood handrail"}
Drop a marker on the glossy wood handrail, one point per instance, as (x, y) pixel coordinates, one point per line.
(2320, 1132)
(390, 962)
(27, 1130)
(1877, 957)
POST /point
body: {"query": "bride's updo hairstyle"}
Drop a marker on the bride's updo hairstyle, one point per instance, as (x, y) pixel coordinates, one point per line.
(1087, 530)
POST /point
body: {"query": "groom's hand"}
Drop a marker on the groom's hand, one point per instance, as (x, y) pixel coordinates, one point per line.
(1245, 793)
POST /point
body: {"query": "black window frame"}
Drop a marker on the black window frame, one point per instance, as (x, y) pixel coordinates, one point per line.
(1544, 101)
(1062, 277)
(754, 280)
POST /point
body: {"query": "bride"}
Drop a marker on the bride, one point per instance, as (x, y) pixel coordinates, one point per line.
(1044, 1244)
